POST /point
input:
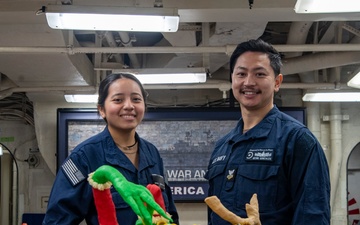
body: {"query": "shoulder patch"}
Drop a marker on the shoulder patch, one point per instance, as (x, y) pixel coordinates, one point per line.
(72, 172)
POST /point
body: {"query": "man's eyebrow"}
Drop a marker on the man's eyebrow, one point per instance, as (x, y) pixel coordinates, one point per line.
(241, 68)
(245, 68)
(259, 68)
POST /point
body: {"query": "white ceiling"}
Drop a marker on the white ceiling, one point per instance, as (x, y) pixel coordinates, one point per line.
(320, 50)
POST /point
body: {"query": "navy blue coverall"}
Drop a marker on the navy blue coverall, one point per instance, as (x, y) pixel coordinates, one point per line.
(71, 199)
(282, 162)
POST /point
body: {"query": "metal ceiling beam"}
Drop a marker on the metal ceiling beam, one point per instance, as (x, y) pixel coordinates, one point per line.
(227, 49)
(211, 84)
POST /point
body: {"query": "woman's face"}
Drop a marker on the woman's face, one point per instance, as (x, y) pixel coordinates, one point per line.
(124, 106)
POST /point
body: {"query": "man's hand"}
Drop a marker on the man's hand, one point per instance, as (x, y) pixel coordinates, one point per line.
(252, 211)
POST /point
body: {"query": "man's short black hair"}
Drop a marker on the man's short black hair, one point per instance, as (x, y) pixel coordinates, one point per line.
(257, 45)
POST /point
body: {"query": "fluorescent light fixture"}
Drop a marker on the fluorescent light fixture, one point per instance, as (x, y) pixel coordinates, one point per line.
(335, 96)
(153, 76)
(82, 98)
(73, 17)
(327, 6)
(355, 81)
(169, 75)
(1, 150)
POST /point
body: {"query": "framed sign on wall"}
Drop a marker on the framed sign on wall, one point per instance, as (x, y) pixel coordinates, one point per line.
(185, 138)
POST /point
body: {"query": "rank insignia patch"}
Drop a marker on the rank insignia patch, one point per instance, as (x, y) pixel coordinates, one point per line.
(230, 175)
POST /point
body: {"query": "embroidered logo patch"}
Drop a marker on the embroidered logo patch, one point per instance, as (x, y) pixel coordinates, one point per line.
(72, 172)
(260, 154)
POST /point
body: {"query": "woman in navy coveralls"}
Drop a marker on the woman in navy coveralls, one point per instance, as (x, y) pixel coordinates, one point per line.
(122, 104)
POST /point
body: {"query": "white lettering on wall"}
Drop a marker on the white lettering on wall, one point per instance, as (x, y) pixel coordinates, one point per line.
(185, 174)
(191, 190)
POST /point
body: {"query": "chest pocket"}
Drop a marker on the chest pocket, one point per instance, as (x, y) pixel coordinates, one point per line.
(259, 179)
(118, 200)
(215, 177)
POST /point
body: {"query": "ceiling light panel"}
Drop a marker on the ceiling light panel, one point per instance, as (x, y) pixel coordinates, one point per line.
(327, 6)
(72, 17)
(355, 81)
(336, 96)
(169, 75)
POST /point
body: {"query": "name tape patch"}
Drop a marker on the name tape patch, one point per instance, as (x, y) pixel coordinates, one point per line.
(260, 154)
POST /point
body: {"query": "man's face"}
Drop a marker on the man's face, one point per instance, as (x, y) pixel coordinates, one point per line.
(254, 81)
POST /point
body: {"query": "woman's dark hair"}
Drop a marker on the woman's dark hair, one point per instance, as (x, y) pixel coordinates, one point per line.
(109, 79)
(257, 45)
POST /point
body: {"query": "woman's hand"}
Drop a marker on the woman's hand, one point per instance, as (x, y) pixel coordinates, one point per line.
(138, 197)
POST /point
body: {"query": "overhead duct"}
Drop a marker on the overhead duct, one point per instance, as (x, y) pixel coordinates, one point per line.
(222, 34)
(318, 61)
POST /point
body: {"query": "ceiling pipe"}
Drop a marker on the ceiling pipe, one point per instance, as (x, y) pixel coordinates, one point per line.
(326, 56)
(6, 93)
(112, 43)
(210, 84)
(126, 41)
(225, 85)
(10, 91)
(297, 35)
(227, 49)
(318, 61)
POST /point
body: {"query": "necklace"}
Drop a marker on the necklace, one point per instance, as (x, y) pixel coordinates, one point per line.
(129, 147)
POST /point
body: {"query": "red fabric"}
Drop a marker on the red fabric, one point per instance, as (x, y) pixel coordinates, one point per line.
(156, 192)
(105, 207)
